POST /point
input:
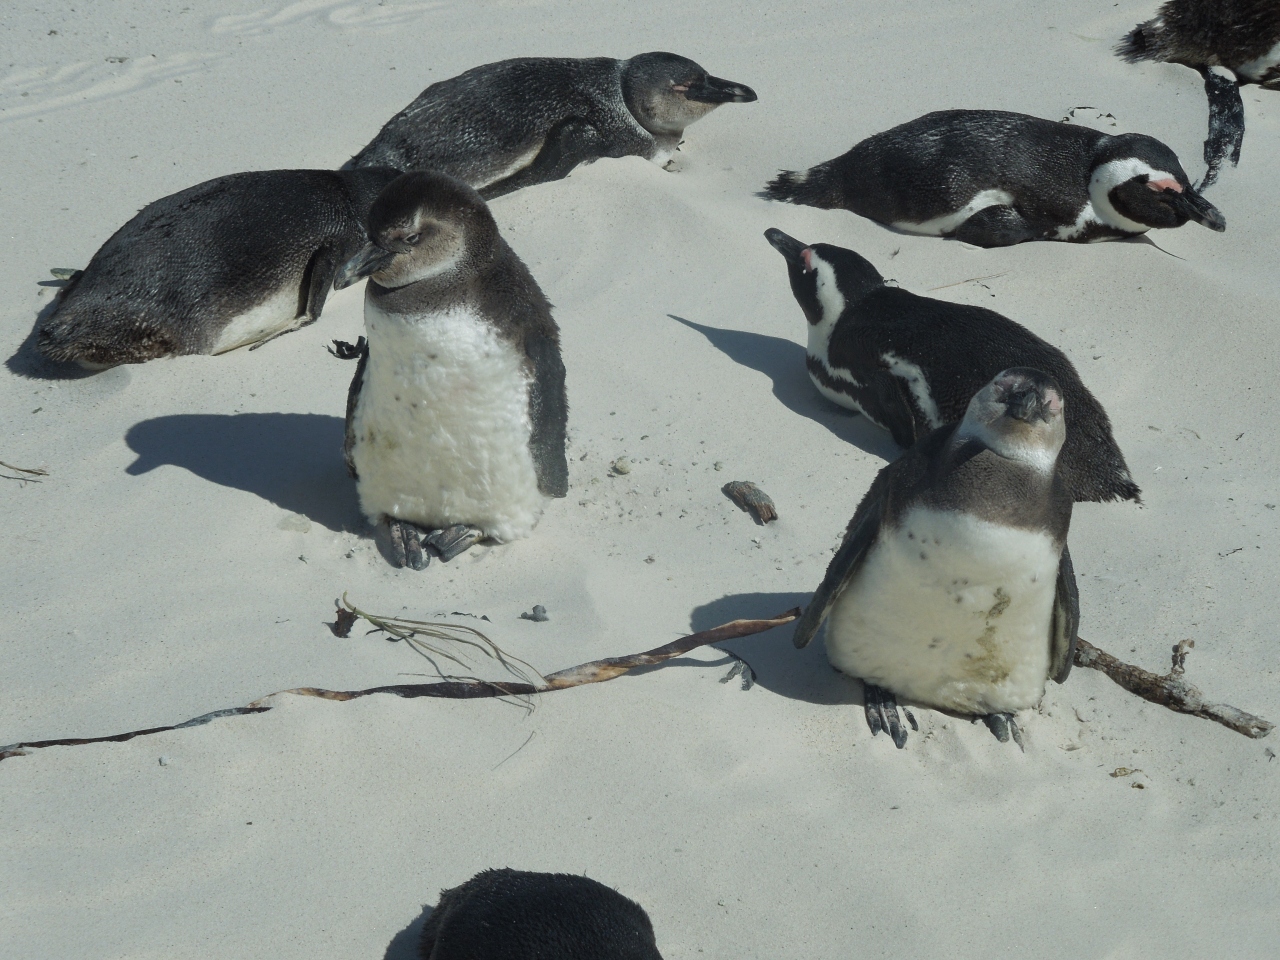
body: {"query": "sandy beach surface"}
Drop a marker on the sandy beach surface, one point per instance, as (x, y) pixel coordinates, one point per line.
(184, 552)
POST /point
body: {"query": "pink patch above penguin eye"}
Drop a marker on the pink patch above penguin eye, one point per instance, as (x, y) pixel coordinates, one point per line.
(1162, 185)
(680, 87)
(807, 256)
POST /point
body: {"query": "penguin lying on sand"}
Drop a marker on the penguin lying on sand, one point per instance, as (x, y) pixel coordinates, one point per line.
(456, 416)
(911, 364)
(953, 587)
(517, 915)
(227, 263)
(993, 179)
(1242, 36)
(511, 124)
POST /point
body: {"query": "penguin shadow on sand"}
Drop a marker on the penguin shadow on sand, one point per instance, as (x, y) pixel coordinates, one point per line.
(783, 362)
(293, 460)
(777, 665)
(404, 945)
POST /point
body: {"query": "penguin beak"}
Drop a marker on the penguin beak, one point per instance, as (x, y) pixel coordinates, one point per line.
(368, 261)
(789, 247)
(1195, 207)
(715, 90)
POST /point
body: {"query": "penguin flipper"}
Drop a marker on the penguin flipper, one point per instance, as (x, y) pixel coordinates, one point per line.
(996, 226)
(570, 142)
(1065, 622)
(1226, 124)
(894, 409)
(858, 539)
(360, 350)
(548, 413)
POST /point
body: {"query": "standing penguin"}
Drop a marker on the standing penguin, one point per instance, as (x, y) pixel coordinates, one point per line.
(1241, 36)
(224, 264)
(456, 416)
(953, 587)
(911, 364)
(518, 915)
(993, 179)
(511, 124)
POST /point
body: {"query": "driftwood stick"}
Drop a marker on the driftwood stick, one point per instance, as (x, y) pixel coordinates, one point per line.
(597, 671)
(1170, 690)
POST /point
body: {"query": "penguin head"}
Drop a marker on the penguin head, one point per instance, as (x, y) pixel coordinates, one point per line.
(423, 225)
(1019, 415)
(825, 279)
(1140, 178)
(666, 92)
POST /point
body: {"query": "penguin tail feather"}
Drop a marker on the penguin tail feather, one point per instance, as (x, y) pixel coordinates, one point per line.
(812, 188)
(1141, 43)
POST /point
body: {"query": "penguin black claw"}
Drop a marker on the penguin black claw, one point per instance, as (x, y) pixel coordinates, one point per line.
(1004, 725)
(406, 545)
(453, 541)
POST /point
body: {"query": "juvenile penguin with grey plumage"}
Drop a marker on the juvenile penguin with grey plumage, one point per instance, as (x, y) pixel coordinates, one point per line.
(993, 178)
(228, 263)
(456, 416)
(520, 915)
(911, 364)
(1241, 37)
(953, 587)
(511, 124)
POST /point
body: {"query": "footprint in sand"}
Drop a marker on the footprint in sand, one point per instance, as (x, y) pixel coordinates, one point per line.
(25, 93)
(342, 14)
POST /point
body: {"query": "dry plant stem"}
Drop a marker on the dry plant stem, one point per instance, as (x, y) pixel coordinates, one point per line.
(1170, 690)
(597, 671)
(30, 474)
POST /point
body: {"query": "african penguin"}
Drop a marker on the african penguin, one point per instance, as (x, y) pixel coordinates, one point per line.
(911, 364)
(456, 416)
(1239, 36)
(993, 179)
(519, 915)
(228, 263)
(953, 587)
(511, 124)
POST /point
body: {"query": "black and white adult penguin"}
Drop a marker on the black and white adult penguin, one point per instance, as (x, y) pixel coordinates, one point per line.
(953, 587)
(993, 179)
(456, 416)
(911, 364)
(511, 124)
(518, 915)
(228, 263)
(1240, 36)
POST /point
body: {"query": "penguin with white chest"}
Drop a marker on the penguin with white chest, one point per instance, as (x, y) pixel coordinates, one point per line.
(228, 263)
(953, 587)
(456, 416)
(911, 364)
(1230, 43)
(521, 915)
(993, 179)
(507, 125)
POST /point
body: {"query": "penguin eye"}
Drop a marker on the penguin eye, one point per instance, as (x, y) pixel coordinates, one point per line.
(412, 239)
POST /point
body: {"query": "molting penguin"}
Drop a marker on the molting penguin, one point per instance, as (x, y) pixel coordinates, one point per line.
(227, 263)
(511, 124)
(993, 179)
(518, 915)
(911, 364)
(456, 416)
(953, 587)
(1241, 36)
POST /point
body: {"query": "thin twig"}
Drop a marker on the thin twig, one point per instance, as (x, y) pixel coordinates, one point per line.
(597, 671)
(1170, 690)
(970, 280)
(30, 474)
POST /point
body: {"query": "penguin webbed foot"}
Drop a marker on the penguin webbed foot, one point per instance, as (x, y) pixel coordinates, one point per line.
(348, 351)
(452, 541)
(406, 545)
(995, 226)
(882, 714)
(1005, 725)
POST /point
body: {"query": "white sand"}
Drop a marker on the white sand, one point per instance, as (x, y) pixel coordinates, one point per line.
(157, 573)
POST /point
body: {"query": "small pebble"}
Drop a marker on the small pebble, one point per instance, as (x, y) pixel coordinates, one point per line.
(538, 614)
(621, 466)
(164, 761)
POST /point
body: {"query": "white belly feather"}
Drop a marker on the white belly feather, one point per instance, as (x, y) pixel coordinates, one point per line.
(442, 426)
(276, 314)
(949, 223)
(950, 611)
